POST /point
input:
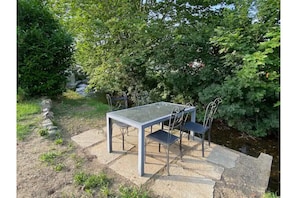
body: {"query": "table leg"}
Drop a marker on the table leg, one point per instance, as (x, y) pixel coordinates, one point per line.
(109, 134)
(141, 150)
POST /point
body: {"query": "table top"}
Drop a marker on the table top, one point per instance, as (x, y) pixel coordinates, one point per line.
(149, 113)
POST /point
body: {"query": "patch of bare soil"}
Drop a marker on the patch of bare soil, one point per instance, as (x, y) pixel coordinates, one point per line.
(36, 178)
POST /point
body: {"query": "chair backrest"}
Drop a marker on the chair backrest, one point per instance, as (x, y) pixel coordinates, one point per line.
(141, 98)
(208, 115)
(117, 102)
(209, 112)
(176, 118)
(217, 101)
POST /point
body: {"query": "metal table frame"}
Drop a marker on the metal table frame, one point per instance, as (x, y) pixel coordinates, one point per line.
(142, 117)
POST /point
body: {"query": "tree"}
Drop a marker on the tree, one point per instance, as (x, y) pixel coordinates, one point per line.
(249, 45)
(184, 51)
(44, 50)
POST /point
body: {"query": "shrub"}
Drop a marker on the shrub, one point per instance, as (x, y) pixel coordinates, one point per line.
(44, 50)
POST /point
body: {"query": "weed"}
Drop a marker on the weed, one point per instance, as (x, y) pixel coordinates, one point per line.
(43, 132)
(78, 160)
(59, 167)
(49, 157)
(132, 192)
(105, 191)
(59, 141)
(91, 182)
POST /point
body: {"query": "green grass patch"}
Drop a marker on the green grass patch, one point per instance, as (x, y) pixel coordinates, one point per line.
(270, 195)
(49, 157)
(133, 192)
(93, 182)
(53, 159)
(27, 118)
(27, 108)
(76, 105)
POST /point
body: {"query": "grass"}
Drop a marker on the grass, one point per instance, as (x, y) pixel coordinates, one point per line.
(92, 183)
(27, 118)
(88, 107)
(128, 192)
(74, 114)
(270, 195)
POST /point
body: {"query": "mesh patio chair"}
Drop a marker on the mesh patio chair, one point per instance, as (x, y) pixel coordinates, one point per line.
(166, 137)
(118, 103)
(201, 129)
(140, 98)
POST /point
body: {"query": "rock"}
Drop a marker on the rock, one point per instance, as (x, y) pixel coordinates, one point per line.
(48, 115)
(52, 132)
(81, 89)
(46, 103)
(52, 128)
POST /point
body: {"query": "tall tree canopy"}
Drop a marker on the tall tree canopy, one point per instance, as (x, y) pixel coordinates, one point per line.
(192, 50)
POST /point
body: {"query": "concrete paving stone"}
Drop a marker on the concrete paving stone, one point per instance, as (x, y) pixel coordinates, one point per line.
(223, 156)
(100, 150)
(183, 183)
(196, 149)
(201, 167)
(152, 150)
(127, 166)
(89, 138)
(194, 176)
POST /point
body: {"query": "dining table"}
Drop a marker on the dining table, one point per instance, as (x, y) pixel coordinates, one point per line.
(142, 117)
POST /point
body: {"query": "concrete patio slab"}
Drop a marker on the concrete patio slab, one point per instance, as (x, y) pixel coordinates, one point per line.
(182, 183)
(89, 138)
(221, 172)
(222, 156)
(100, 150)
(202, 167)
(126, 166)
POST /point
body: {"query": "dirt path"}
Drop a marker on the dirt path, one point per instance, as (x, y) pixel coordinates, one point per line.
(37, 179)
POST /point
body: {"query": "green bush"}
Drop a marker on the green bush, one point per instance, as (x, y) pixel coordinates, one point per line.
(44, 50)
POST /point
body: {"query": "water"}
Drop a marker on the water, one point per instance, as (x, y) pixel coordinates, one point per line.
(231, 138)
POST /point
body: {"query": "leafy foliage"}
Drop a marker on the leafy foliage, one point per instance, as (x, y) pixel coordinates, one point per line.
(44, 50)
(184, 51)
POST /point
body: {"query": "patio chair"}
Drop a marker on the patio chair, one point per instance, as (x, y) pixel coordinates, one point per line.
(166, 137)
(217, 101)
(201, 129)
(118, 103)
(140, 98)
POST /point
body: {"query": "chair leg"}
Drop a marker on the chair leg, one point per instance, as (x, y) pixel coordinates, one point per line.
(123, 137)
(203, 136)
(180, 147)
(189, 135)
(123, 141)
(168, 160)
(209, 138)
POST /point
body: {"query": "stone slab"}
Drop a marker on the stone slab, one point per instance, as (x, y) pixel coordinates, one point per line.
(100, 150)
(201, 167)
(89, 138)
(182, 183)
(127, 166)
(222, 156)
